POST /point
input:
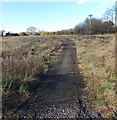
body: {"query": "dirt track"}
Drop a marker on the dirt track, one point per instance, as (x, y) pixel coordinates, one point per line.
(61, 96)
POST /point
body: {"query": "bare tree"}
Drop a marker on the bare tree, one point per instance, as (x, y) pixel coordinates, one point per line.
(97, 26)
(31, 29)
(106, 15)
(80, 28)
(110, 14)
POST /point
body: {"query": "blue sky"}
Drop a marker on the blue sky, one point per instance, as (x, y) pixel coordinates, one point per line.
(49, 16)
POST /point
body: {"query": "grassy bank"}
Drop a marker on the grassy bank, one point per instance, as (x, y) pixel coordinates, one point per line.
(23, 59)
(96, 58)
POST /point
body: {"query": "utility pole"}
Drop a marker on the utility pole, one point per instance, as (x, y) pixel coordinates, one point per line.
(90, 24)
(2, 30)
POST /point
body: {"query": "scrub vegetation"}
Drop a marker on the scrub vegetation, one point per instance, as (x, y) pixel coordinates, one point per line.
(23, 60)
(26, 58)
(96, 60)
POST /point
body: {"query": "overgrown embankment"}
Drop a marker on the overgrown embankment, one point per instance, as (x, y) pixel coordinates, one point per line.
(23, 60)
(96, 57)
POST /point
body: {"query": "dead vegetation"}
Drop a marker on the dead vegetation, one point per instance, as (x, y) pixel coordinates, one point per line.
(23, 58)
(96, 56)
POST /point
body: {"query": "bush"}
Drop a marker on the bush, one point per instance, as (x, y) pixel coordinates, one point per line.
(22, 34)
(12, 34)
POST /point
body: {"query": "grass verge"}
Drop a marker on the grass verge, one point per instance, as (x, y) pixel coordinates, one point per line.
(96, 56)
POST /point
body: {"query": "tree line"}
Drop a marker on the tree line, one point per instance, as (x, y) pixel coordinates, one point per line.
(95, 26)
(88, 26)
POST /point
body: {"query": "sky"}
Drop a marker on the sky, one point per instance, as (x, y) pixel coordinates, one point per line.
(17, 16)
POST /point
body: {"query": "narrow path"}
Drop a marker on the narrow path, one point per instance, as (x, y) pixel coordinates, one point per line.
(61, 97)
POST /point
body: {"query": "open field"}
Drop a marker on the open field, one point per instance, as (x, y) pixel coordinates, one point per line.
(25, 59)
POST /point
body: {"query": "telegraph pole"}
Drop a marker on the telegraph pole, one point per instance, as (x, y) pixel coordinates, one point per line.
(90, 24)
(2, 30)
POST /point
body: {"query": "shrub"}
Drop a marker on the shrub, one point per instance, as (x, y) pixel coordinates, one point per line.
(22, 34)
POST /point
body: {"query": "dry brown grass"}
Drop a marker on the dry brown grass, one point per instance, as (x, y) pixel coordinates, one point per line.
(22, 59)
(96, 55)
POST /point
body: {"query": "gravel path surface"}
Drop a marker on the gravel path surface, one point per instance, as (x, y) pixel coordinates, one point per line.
(62, 95)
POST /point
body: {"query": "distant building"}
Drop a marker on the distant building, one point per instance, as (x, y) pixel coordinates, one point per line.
(116, 13)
